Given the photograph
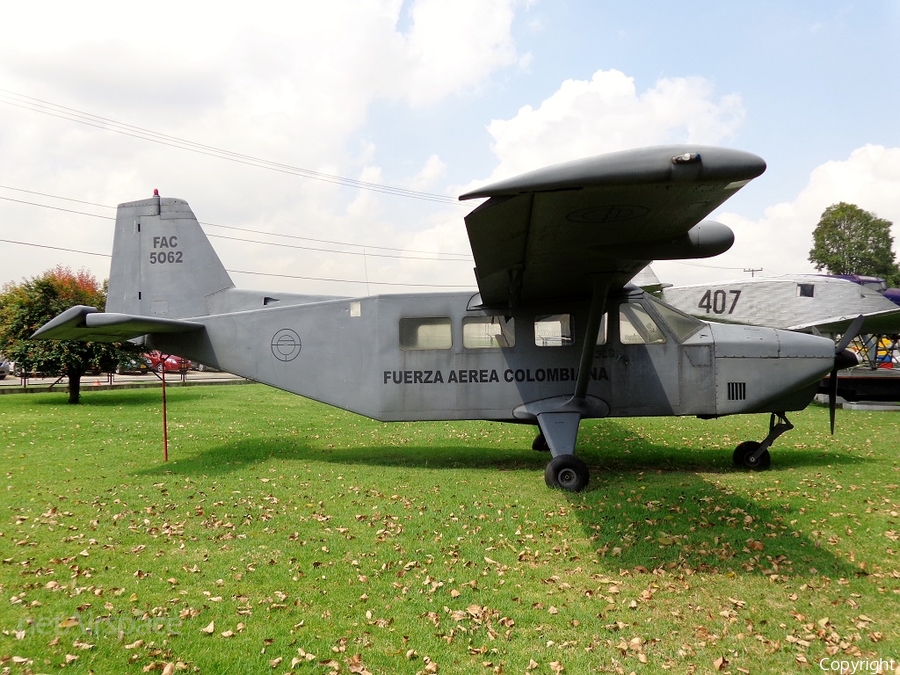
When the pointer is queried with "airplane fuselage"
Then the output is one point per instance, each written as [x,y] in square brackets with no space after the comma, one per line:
[434,357]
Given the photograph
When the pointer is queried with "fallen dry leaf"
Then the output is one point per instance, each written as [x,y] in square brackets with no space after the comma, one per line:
[356,665]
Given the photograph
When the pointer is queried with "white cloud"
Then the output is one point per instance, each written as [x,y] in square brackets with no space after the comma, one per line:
[279,78]
[428,176]
[288,82]
[606,114]
[294,83]
[455,46]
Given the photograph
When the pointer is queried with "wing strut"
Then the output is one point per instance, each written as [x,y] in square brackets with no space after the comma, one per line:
[595,319]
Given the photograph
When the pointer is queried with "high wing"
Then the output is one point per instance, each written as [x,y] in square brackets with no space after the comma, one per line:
[88,325]
[886,322]
[563,231]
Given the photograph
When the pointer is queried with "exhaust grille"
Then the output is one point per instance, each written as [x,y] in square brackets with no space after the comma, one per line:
[737,391]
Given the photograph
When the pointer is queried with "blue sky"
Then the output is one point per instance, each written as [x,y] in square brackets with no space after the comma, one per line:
[433,96]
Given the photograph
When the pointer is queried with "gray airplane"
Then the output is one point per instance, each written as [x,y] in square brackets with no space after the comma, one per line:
[555,335]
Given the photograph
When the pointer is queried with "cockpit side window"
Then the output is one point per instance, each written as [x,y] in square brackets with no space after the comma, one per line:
[637,327]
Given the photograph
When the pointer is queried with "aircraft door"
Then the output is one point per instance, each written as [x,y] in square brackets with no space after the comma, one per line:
[645,362]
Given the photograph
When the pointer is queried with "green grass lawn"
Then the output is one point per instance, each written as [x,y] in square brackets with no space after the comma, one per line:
[285,536]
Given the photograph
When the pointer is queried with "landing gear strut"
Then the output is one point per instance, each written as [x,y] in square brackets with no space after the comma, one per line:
[558,431]
[755,455]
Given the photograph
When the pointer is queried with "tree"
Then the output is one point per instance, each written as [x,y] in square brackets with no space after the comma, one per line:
[27,306]
[849,240]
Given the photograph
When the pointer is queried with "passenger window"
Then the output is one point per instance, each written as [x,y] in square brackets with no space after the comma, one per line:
[485,332]
[425,333]
[637,327]
[554,330]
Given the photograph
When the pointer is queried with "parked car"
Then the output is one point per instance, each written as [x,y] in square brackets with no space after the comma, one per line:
[171,363]
[134,366]
[5,368]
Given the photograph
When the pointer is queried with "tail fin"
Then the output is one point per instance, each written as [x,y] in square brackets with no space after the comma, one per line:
[162,263]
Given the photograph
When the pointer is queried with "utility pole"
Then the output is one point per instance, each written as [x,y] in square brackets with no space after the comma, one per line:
[753,270]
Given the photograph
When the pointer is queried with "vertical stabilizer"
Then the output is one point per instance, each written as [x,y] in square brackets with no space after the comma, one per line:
[162,263]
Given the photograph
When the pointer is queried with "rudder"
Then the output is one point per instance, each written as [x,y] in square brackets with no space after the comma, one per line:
[162,262]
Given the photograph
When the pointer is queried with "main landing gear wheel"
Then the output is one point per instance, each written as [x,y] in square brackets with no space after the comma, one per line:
[540,444]
[743,456]
[567,472]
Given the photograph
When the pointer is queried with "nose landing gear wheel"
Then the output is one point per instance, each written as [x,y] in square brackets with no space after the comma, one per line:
[567,472]
[743,456]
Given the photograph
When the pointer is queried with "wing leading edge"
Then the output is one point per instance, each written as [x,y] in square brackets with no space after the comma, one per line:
[886,322]
[558,231]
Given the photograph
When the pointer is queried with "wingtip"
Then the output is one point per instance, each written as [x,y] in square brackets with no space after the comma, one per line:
[72,317]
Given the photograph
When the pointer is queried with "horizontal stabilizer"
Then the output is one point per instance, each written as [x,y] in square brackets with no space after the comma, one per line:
[88,325]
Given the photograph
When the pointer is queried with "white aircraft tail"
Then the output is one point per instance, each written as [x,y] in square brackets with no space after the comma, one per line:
[162,263]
